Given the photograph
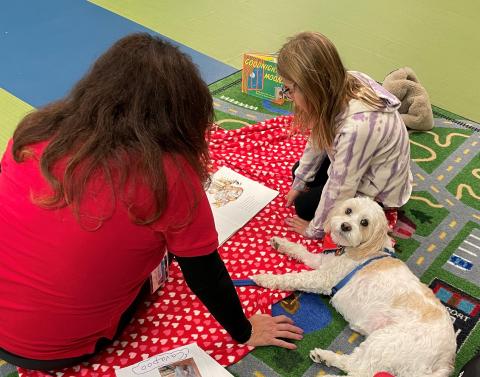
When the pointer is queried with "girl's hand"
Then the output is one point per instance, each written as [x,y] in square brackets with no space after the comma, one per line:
[296,224]
[267,330]
[291,196]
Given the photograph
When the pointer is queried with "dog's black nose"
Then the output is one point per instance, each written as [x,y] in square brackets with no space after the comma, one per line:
[346,227]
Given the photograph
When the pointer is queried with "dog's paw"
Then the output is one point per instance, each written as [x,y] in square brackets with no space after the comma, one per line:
[281,244]
[264,280]
[318,355]
[275,242]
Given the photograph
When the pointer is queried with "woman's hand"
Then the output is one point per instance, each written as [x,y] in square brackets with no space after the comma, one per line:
[291,196]
[296,224]
[267,330]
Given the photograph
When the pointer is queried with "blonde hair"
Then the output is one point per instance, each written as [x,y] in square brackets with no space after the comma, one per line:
[312,63]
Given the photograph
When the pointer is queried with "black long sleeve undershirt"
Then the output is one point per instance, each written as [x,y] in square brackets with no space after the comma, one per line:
[208,278]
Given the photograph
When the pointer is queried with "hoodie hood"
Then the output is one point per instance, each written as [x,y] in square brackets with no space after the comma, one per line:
[356,106]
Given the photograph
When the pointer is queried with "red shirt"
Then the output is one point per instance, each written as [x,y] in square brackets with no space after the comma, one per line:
[62,286]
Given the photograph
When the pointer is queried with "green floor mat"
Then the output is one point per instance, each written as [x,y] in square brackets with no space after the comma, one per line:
[444,206]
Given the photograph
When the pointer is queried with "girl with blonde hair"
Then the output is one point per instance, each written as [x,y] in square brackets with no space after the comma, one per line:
[358,144]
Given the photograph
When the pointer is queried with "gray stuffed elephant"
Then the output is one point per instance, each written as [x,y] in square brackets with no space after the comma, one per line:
[415,107]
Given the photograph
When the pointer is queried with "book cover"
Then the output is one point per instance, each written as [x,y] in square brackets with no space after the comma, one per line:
[186,361]
[260,77]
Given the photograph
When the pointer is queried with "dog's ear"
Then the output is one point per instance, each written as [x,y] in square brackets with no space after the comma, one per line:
[378,239]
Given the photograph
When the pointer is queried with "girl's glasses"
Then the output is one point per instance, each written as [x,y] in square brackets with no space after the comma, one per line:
[287,92]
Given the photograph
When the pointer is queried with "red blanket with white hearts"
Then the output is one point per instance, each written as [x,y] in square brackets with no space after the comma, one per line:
[264,152]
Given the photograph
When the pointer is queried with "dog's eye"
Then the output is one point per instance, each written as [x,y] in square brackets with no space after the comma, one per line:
[364,222]
[348,211]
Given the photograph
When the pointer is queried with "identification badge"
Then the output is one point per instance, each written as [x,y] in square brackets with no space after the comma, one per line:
[159,275]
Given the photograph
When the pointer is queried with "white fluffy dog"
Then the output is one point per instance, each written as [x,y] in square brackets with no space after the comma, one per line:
[409,332]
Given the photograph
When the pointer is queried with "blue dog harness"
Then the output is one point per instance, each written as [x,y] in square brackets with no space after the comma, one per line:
[243,282]
[347,278]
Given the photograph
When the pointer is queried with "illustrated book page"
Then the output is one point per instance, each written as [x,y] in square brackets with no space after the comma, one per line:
[234,200]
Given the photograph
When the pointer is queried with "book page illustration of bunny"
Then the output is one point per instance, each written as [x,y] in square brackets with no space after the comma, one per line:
[224,191]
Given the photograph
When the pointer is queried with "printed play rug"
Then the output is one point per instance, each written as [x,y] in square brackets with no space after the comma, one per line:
[443,252]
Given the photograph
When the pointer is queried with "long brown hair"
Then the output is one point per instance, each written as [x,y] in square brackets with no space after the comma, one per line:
[142,99]
[312,63]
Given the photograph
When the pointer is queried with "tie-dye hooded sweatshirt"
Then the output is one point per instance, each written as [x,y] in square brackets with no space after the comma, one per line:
[370,157]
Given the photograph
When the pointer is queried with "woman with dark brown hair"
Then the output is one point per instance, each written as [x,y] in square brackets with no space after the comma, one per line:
[94,189]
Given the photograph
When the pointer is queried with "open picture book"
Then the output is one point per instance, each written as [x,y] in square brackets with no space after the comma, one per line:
[234,200]
[185,361]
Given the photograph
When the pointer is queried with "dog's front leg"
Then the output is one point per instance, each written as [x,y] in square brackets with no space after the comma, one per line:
[297,251]
[331,358]
[307,281]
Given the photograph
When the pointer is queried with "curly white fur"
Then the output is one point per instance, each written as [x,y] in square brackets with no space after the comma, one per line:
[409,332]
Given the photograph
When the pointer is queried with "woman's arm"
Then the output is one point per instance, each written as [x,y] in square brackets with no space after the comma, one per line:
[208,278]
